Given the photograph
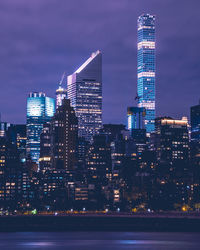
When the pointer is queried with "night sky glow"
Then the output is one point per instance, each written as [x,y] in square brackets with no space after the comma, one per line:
[40,39]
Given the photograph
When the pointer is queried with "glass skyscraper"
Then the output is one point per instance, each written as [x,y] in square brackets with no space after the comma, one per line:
[40,109]
[84,89]
[135,117]
[146,69]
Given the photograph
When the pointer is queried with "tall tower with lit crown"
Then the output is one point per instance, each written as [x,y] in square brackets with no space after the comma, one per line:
[146,69]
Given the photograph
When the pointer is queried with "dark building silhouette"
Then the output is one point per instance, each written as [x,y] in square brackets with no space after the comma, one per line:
[16,134]
[9,169]
[45,148]
[64,137]
[195,122]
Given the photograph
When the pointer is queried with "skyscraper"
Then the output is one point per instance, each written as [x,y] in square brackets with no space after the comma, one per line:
[84,89]
[40,109]
[195,139]
[172,140]
[146,69]
[195,122]
[135,117]
[61,93]
[64,134]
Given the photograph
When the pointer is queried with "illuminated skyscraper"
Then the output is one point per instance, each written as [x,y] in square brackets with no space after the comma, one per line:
[146,69]
[61,93]
[172,139]
[40,109]
[84,89]
[135,118]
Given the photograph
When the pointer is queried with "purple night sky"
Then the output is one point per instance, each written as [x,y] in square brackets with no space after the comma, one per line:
[40,39]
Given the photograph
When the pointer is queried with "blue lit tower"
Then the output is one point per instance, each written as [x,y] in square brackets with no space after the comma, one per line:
[146,69]
[40,109]
[84,89]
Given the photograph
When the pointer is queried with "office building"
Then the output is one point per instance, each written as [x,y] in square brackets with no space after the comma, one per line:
[172,140]
[45,148]
[99,161]
[195,122]
[9,168]
[4,128]
[135,118]
[84,89]
[195,140]
[16,134]
[146,69]
[40,109]
[65,137]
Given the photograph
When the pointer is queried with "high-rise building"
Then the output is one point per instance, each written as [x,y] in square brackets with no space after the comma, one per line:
[99,160]
[45,148]
[135,118]
[61,93]
[195,140]
[40,109]
[146,69]
[9,168]
[84,89]
[16,134]
[65,135]
[195,122]
[172,140]
[4,128]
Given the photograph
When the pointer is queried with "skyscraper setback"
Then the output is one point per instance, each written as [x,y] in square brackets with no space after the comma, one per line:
[84,89]
[146,69]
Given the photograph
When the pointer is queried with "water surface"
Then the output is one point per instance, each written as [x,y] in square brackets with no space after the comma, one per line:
[99,241]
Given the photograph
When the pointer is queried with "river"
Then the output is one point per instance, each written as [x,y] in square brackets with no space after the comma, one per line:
[99,241]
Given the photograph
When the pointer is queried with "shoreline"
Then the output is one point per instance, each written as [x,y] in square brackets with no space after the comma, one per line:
[86,222]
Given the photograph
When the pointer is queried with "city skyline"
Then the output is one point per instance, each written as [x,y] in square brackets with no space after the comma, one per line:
[99,124]
[41,66]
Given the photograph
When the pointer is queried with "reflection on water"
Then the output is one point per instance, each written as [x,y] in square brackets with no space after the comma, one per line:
[99,240]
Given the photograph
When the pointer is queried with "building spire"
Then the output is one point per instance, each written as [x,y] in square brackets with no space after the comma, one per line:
[62,79]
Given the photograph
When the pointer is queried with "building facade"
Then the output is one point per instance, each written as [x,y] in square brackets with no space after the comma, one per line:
[84,89]
[61,94]
[16,134]
[146,69]
[195,122]
[172,140]
[40,109]
[65,135]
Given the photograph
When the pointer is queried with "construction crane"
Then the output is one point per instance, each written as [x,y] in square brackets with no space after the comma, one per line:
[139,97]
